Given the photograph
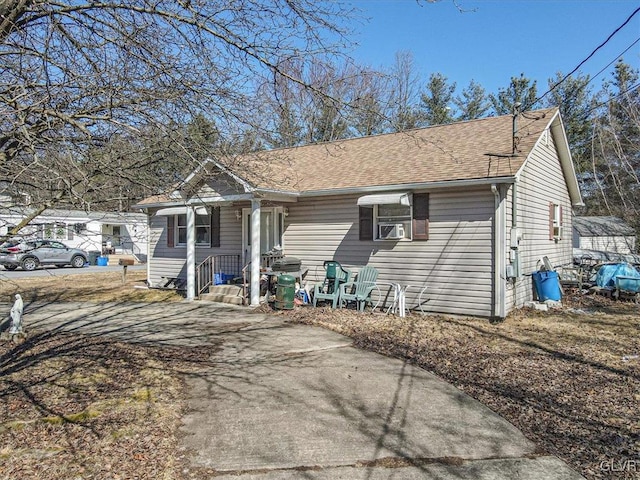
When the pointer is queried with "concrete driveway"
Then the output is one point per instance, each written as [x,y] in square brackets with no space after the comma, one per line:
[283,401]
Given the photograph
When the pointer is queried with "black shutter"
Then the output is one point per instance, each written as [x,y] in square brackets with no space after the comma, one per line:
[366,223]
[421,216]
[170,231]
[215,227]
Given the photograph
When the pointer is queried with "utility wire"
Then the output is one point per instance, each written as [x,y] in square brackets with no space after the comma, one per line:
[585,60]
[602,104]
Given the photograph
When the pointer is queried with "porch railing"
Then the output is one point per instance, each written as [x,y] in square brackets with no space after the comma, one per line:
[226,266]
[266,261]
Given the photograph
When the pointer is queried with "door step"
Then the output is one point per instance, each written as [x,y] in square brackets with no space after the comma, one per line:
[231,294]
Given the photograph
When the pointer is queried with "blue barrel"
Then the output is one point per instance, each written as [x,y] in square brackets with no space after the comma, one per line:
[547,285]
[103,261]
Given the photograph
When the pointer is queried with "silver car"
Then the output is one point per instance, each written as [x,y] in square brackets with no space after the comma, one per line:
[29,255]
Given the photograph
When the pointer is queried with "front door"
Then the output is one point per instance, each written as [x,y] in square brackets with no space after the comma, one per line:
[271,229]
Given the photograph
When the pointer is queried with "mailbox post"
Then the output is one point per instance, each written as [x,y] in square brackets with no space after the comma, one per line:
[125,262]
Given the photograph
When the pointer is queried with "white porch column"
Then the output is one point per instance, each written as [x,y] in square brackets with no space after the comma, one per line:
[191,253]
[255,252]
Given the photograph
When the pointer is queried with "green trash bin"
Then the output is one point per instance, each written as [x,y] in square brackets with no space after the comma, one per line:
[285,292]
[93,258]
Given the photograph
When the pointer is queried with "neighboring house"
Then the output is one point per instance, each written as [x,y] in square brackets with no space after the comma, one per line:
[432,208]
[95,231]
[608,234]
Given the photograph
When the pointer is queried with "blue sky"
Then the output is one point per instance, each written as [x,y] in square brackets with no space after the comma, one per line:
[497,39]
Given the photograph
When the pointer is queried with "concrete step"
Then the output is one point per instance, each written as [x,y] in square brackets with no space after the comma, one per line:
[226,290]
[224,294]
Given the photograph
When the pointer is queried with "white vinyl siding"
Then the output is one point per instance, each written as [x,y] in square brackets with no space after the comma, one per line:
[171,262]
[541,183]
[454,264]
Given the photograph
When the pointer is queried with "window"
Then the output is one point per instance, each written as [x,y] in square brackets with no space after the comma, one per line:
[392,222]
[555,222]
[396,221]
[203,230]
[207,229]
[54,231]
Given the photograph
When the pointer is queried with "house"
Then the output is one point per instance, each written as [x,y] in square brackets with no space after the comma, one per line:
[609,234]
[458,215]
[104,232]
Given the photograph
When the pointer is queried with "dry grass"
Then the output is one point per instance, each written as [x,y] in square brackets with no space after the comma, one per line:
[569,379]
[91,408]
[100,287]
[76,407]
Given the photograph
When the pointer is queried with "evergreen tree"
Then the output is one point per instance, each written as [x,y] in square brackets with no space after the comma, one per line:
[521,90]
[436,102]
[473,103]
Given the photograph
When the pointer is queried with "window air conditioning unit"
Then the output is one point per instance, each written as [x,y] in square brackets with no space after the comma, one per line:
[390,231]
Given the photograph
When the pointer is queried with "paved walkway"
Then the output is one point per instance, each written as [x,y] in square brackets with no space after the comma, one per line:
[285,401]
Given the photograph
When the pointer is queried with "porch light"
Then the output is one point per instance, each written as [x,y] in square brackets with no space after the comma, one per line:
[285,211]
[238,214]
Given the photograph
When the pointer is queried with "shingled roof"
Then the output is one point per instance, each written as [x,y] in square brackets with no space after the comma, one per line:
[602,226]
[474,150]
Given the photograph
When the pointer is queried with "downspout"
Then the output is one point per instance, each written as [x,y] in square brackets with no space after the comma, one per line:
[191,253]
[515,232]
[499,285]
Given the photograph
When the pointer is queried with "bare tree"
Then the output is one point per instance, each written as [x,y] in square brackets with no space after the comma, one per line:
[616,148]
[404,94]
[76,74]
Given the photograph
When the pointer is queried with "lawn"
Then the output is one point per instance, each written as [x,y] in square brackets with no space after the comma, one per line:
[86,407]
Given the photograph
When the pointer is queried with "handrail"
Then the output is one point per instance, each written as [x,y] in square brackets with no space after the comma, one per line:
[266,261]
[204,275]
[244,283]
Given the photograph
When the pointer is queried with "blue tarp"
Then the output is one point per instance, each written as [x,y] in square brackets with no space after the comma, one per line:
[607,274]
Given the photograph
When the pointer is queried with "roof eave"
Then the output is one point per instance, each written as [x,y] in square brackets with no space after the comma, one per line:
[410,186]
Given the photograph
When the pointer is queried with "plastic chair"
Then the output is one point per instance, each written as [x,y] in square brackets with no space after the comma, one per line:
[360,290]
[335,275]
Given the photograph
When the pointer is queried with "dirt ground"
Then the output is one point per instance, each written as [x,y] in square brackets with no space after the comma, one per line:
[76,407]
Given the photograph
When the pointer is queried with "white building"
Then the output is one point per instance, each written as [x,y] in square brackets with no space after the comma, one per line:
[104,232]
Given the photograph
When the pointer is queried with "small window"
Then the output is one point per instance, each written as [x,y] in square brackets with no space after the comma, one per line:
[203,229]
[555,222]
[392,222]
[207,229]
[395,221]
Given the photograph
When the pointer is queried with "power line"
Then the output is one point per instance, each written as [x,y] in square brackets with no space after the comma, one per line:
[585,60]
[602,104]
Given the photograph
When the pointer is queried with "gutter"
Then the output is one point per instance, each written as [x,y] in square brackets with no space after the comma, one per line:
[409,186]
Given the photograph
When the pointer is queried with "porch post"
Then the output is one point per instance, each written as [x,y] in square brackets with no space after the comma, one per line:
[255,252]
[191,253]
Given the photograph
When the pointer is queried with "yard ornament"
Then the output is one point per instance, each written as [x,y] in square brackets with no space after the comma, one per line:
[16,316]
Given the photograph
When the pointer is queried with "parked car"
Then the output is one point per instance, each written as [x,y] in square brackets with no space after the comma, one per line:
[29,255]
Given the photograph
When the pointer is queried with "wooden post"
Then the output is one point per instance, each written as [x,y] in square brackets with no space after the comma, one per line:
[125,262]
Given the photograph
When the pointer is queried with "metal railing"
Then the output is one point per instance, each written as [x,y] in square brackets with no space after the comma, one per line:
[266,261]
[226,266]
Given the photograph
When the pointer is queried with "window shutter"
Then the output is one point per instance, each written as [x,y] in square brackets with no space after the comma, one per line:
[366,223]
[170,231]
[551,220]
[421,216]
[215,227]
[561,224]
